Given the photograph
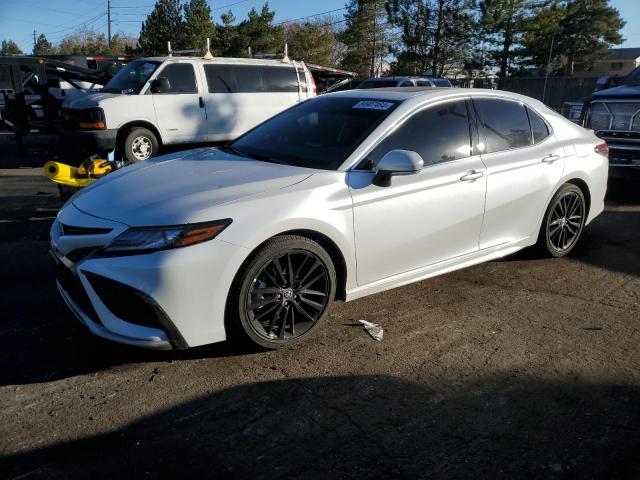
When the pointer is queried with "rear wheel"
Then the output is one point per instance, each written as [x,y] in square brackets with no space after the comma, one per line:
[140,144]
[284,292]
[563,221]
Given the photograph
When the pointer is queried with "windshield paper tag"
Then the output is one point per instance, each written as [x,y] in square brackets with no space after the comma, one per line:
[373,105]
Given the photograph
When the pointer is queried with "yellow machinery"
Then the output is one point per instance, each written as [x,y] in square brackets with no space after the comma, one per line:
[88,172]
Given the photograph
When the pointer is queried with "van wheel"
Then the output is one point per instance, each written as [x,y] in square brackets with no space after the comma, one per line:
[140,144]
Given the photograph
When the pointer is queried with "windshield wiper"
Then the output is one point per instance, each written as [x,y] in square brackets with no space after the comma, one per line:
[254,156]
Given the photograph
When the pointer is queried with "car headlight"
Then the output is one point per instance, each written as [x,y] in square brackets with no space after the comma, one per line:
[91,119]
[146,240]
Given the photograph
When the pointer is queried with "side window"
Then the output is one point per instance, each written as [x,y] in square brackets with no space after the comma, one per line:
[422,83]
[220,78]
[280,79]
[439,134]
[248,79]
[406,83]
[503,124]
[538,126]
[181,76]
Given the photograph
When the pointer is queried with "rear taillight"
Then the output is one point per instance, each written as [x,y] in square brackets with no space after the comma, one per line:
[314,88]
[602,149]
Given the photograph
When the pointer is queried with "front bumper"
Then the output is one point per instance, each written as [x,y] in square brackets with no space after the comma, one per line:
[169,299]
[90,140]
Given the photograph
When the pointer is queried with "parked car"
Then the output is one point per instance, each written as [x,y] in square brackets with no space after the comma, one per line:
[386,82]
[345,195]
[614,115]
[159,101]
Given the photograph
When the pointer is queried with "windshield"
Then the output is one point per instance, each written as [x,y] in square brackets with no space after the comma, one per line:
[633,78]
[378,84]
[131,78]
[320,133]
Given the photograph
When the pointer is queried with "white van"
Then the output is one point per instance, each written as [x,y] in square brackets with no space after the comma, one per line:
[160,101]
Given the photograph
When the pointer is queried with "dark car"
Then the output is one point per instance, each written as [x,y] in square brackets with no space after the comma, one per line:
[424,81]
[614,115]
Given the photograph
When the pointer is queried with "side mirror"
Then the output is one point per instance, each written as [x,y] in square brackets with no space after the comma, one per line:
[160,85]
[397,162]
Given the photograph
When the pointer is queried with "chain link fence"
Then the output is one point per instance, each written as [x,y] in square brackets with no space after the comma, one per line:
[558,89]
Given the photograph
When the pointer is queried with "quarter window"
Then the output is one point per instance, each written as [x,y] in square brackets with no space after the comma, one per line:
[439,134]
[538,126]
[181,76]
[248,78]
[503,124]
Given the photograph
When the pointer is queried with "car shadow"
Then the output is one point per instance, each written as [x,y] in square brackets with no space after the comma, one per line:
[366,427]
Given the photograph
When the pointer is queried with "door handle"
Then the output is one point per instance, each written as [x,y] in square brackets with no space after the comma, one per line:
[471,176]
[550,158]
[201,101]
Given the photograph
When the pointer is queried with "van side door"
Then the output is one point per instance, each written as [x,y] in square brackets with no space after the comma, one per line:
[180,112]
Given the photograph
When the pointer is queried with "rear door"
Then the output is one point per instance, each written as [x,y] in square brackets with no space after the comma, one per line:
[524,165]
[180,112]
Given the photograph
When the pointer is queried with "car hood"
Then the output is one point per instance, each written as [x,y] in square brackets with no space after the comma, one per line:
[182,188]
[92,99]
[621,92]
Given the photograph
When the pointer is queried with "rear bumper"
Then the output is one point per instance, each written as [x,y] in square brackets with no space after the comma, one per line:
[90,140]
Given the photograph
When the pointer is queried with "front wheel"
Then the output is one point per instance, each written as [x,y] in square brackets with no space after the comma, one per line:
[140,144]
[283,293]
[563,222]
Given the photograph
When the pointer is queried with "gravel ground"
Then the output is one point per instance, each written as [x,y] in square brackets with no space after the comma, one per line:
[519,368]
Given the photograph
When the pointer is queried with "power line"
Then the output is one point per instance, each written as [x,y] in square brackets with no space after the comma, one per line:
[311,16]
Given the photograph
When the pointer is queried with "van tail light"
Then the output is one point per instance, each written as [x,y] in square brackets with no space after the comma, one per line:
[314,88]
[602,149]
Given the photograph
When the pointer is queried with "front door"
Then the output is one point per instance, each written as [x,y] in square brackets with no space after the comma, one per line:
[427,217]
[180,111]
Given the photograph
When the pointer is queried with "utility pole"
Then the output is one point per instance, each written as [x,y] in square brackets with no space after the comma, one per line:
[373,47]
[34,40]
[109,21]
[546,76]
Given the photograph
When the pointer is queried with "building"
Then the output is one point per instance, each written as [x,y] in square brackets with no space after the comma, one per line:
[619,62]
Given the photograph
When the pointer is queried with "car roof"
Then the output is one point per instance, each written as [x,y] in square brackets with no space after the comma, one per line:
[223,60]
[421,94]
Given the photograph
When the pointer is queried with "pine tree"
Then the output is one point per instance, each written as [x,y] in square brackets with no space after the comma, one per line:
[259,33]
[226,40]
[582,30]
[366,35]
[198,25]
[436,34]
[164,24]
[311,42]
[9,47]
[503,22]
[42,46]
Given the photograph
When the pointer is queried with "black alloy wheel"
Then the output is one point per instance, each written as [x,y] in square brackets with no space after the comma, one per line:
[564,221]
[286,291]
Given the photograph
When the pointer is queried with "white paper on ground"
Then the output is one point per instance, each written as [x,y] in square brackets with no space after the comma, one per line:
[374,329]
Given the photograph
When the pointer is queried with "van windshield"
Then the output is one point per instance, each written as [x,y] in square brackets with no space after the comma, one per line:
[131,78]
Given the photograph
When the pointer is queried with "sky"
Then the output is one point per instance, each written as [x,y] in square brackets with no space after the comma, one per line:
[57,18]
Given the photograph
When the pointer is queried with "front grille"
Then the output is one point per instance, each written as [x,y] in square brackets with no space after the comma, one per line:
[614,116]
[72,230]
[71,284]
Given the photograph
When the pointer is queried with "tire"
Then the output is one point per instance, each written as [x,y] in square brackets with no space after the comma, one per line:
[269,310]
[140,144]
[563,221]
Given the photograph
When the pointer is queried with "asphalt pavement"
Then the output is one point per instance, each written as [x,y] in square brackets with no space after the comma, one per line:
[519,368]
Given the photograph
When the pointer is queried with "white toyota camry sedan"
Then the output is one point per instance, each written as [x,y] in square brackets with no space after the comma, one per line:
[339,197]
